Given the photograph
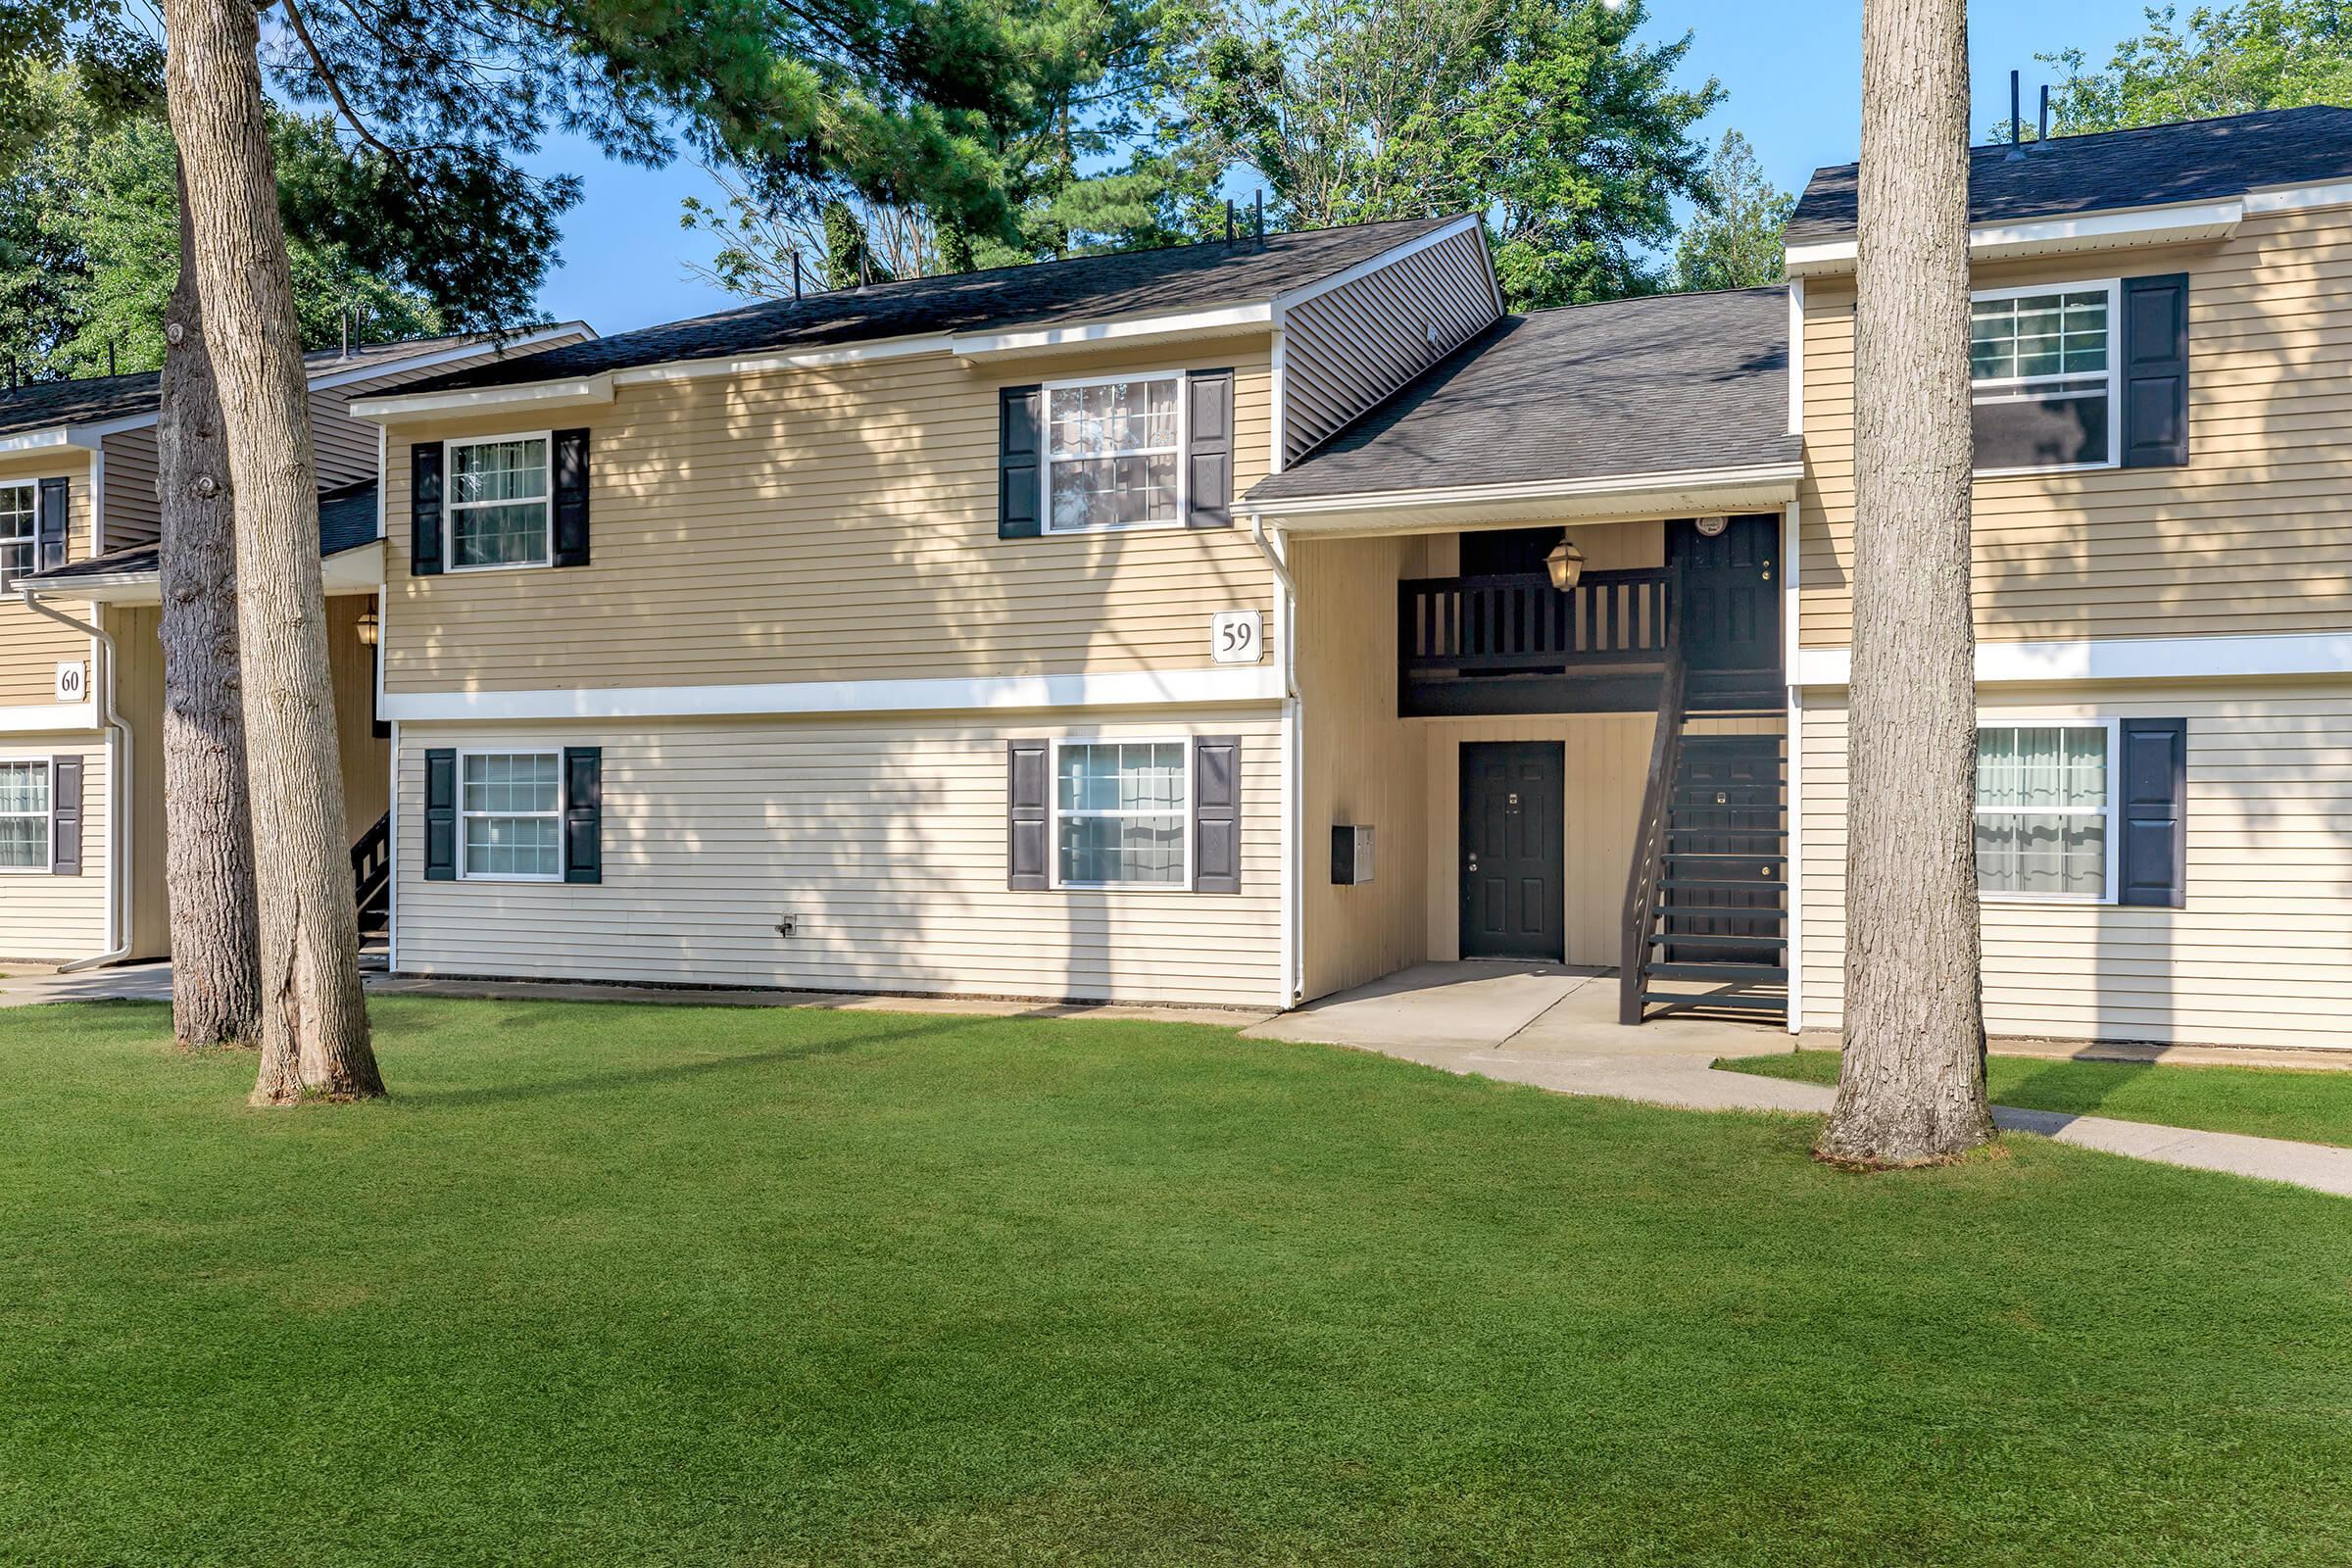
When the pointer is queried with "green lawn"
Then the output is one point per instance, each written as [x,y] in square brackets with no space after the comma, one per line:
[2265,1101]
[695,1285]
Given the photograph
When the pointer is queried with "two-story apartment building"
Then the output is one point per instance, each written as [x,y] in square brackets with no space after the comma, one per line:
[82,804]
[1240,622]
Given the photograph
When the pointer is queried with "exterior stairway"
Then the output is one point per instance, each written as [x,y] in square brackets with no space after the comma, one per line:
[371,875]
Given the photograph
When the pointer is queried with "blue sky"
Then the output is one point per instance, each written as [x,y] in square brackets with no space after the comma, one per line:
[1793,72]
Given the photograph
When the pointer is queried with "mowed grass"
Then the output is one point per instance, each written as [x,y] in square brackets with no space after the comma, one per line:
[698,1286]
[2314,1106]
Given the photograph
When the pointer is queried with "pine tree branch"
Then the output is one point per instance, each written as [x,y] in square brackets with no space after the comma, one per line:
[334,89]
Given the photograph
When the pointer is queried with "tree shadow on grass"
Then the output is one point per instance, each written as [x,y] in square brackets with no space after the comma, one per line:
[656,1073]
[2061,1086]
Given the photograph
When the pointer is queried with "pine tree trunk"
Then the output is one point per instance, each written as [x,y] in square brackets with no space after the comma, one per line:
[315,1039]
[1912,1085]
[208,870]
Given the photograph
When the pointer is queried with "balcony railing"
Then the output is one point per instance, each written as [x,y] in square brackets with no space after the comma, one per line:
[1522,626]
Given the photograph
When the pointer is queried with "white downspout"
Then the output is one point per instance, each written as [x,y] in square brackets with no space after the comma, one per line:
[1286,626]
[117,788]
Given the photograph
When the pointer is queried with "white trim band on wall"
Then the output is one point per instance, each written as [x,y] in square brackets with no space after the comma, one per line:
[56,718]
[1138,688]
[2102,659]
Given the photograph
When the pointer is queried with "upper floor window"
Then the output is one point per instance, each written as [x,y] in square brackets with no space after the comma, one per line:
[2046,811]
[2042,372]
[498,509]
[1115,454]
[19,531]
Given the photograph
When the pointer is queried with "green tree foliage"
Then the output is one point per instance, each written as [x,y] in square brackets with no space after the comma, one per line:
[1733,239]
[2220,60]
[1545,116]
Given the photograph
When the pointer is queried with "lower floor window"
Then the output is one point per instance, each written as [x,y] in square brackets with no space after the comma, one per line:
[2043,813]
[23,816]
[510,810]
[1119,811]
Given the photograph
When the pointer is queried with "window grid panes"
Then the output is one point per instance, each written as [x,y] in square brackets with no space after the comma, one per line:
[1119,811]
[511,807]
[2039,337]
[20,529]
[24,816]
[1113,454]
[2042,810]
[498,505]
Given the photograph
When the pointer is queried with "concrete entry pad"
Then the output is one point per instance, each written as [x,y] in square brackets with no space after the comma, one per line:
[1437,1006]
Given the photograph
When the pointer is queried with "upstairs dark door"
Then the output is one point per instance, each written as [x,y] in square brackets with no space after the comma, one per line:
[1732,604]
[1512,882]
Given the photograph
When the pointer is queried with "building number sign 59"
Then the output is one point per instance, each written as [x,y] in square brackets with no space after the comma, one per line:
[1237,637]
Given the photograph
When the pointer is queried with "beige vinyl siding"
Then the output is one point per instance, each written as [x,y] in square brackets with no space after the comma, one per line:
[1360,764]
[30,647]
[45,917]
[2254,535]
[1347,350]
[2262,953]
[133,511]
[886,843]
[824,525]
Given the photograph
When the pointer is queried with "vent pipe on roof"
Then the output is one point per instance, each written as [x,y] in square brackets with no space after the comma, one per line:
[2016,122]
[2041,142]
[1261,215]
[1228,220]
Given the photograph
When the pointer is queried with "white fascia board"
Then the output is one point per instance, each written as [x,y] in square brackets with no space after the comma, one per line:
[1146,688]
[577,392]
[1373,263]
[56,716]
[2112,659]
[357,570]
[2299,198]
[388,365]
[36,440]
[2173,224]
[1135,331]
[891,348]
[1766,486]
[1797,356]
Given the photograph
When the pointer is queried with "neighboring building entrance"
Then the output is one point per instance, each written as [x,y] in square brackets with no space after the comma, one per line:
[1512,879]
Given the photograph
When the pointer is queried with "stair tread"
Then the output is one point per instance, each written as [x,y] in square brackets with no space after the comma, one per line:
[1742,885]
[1727,969]
[1709,999]
[1658,939]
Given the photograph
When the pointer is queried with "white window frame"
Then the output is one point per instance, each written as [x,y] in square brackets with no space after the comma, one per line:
[464,872]
[1055,812]
[2110,811]
[451,506]
[2004,387]
[48,767]
[1045,459]
[32,541]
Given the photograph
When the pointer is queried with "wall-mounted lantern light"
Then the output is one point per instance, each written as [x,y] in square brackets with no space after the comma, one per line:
[369,627]
[1566,563]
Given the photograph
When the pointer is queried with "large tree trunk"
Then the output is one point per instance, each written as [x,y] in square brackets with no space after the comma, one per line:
[314,1017]
[208,870]
[1911,1087]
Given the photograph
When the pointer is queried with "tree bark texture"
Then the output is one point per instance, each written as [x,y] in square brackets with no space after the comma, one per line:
[315,1038]
[1912,1085]
[208,870]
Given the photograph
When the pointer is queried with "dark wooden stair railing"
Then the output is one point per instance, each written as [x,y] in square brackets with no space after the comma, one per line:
[1650,840]
[372,870]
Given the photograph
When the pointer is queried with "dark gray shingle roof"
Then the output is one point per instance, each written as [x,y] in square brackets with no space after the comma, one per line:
[1080,289]
[87,400]
[2196,159]
[346,521]
[1663,384]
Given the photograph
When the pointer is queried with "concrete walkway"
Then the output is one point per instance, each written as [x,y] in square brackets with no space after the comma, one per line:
[1556,1028]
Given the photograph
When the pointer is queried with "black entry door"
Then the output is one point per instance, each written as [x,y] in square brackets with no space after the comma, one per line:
[1732,604]
[1512,814]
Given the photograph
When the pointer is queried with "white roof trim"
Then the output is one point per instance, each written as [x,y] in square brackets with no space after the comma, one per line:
[1138,330]
[2299,198]
[1366,267]
[1596,485]
[575,392]
[339,373]
[2109,659]
[42,440]
[356,570]
[2172,224]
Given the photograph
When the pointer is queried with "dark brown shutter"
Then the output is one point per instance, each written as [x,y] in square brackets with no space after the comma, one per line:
[1217,813]
[1021,443]
[65,817]
[441,814]
[571,498]
[583,814]
[1208,453]
[2155,371]
[1028,815]
[2153,869]
[424,510]
[52,523]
